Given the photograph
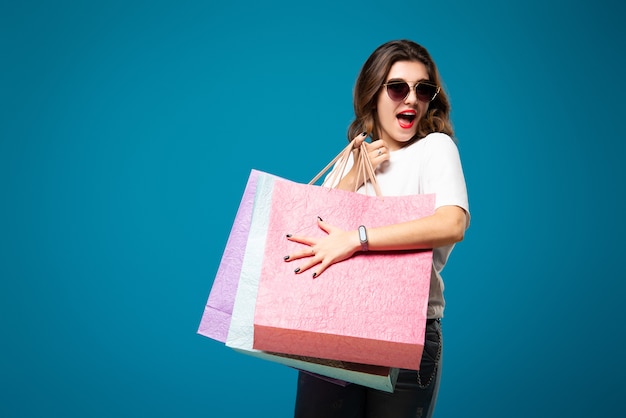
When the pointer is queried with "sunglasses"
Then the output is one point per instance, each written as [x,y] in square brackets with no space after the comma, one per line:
[399,90]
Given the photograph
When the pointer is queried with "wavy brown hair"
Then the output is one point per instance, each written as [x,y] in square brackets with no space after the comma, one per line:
[370,81]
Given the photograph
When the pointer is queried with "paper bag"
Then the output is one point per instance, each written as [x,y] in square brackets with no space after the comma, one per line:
[219,307]
[369,309]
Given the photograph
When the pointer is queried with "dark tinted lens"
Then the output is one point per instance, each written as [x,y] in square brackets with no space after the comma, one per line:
[397,91]
[425,92]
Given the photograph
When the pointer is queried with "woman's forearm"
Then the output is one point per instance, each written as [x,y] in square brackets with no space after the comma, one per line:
[447,226]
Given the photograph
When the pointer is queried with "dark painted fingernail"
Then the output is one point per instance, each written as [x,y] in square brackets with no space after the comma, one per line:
[320,219]
[364,133]
[286,258]
[297,270]
[314,275]
[288,235]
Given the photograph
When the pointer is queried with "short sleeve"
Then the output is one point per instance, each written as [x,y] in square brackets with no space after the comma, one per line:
[442,172]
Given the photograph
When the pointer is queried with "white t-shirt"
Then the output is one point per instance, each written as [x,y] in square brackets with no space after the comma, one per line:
[429,165]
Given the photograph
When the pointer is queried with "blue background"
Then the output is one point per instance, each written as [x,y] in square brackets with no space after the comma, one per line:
[128,130]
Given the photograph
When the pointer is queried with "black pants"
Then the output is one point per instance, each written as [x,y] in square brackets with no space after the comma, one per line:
[414,396]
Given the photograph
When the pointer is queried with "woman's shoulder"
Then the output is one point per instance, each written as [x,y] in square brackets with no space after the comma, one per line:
[434,141]
[438,137]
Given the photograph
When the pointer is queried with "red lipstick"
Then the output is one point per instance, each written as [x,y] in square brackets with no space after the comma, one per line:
[406,118]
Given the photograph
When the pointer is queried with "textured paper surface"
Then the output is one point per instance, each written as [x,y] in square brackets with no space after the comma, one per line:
[219,307]
[368,309]
[241,331]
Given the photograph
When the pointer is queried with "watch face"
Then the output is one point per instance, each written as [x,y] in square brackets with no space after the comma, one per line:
[363,238]
[362,234]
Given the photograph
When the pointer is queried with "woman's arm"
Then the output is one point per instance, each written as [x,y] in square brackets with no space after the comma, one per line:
[446,226]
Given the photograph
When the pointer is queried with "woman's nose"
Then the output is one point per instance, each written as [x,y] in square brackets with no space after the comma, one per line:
[411,98]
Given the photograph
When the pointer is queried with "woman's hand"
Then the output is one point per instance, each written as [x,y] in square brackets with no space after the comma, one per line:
[336,246]
[377,151]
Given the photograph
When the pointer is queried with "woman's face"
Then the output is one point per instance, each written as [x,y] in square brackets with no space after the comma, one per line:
[398,120]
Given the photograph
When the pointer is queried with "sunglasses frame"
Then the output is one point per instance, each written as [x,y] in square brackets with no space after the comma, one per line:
[427,83]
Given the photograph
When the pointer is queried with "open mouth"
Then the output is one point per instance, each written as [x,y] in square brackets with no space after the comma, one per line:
[407,118]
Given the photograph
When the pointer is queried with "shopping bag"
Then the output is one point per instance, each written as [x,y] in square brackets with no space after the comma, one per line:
[218,311]
[241,332]
[369,309]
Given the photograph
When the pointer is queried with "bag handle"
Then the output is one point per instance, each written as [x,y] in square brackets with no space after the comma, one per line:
[365,169]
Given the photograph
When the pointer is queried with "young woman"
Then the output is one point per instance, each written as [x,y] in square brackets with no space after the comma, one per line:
[399,103]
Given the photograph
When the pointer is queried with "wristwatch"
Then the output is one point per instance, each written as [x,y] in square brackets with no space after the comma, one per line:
[363,238]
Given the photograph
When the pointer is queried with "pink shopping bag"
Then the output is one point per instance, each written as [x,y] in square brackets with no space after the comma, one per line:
[368,309]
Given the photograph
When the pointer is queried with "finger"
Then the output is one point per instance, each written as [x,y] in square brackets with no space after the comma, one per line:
[308,252]
[373,149]
[320,269]
[379,144]
[358,140]
[379,152]
[301,239]
[306,265]
[324,226]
